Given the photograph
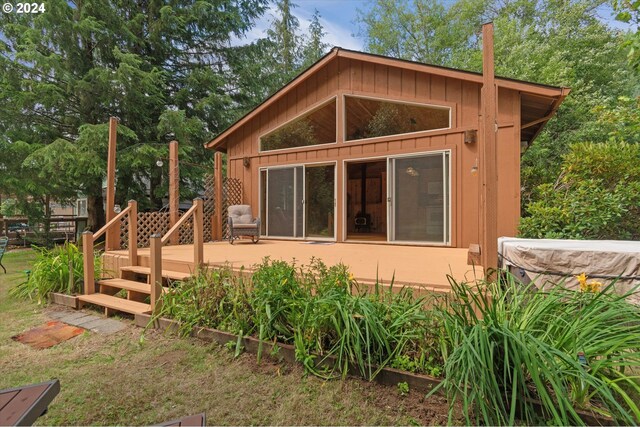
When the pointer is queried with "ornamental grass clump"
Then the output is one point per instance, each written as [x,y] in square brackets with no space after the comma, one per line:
[334,325]
[59,269]
[510,345]
[216,298]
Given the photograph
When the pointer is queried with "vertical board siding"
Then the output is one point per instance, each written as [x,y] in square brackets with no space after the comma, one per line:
[394,82]
[352,76]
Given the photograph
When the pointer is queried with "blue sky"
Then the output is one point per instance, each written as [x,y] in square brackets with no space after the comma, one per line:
[337,18]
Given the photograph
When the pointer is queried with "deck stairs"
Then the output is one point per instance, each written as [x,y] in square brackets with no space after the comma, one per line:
[130,292]
[133,292]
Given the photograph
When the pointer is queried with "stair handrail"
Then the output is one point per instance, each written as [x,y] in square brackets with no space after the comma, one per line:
[157,241]
[88,239]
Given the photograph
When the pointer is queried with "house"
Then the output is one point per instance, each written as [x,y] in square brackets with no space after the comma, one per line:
[366,148]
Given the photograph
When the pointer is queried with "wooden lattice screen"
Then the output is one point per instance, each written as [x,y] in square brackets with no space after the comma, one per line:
[158,222]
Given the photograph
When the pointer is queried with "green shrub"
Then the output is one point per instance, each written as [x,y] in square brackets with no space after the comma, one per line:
[597,196]
[508,344]
[216,298]
[60,269]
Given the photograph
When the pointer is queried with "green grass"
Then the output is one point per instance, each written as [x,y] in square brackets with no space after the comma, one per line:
[116,380]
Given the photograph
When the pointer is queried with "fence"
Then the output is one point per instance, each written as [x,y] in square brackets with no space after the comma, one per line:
[158,222]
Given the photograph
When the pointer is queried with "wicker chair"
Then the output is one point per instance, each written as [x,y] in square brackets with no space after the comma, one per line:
[242,223]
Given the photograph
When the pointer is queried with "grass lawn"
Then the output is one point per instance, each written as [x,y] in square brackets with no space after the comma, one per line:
[121,379]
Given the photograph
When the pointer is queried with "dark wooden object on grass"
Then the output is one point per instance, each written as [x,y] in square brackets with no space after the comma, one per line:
[21,406]
[191,420]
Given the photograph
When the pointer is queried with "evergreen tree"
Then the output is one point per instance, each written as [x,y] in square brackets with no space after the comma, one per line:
[160,66]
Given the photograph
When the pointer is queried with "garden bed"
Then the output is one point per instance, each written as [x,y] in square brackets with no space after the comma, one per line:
[506,352]
[387,376]
[286,352]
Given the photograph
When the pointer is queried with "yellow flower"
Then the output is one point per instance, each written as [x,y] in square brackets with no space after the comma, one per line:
[582,279]
[351,277]
[595,286]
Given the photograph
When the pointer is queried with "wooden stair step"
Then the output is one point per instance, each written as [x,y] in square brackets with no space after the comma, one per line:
[173,275]
[116,303]
[129,285]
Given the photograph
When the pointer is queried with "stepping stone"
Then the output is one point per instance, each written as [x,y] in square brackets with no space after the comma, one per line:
[108,326]
[78,319]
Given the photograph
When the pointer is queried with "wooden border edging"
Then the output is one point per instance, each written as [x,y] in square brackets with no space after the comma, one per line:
[64,299]
[387,376]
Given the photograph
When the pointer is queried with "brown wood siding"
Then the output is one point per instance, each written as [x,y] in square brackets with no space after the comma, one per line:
[349,76]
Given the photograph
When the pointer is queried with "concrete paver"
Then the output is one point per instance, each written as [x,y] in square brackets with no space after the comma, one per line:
[88,321]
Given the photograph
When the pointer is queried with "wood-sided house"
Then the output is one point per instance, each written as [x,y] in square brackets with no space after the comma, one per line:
[361,147]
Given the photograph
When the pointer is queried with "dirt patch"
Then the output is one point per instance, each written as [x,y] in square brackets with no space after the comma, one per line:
[170,359]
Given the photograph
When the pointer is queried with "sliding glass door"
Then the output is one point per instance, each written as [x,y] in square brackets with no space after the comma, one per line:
[298,201]
[419,198]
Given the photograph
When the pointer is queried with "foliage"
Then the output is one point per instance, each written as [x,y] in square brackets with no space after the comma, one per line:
[597,195]
[261,68]
[160,67]
[60,269]
[556,43]
[318,309]
[214,298]
[629,12]
[403,388]
[508,344]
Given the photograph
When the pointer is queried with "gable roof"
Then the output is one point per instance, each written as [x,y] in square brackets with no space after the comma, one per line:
[541,101]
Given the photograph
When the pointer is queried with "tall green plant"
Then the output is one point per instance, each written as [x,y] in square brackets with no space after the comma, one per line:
[510,345]
[216,298]
[60,269]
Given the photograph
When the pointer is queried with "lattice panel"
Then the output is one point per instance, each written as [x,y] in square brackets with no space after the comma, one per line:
[232,195]
[209,205]
[148,223]
[158,222]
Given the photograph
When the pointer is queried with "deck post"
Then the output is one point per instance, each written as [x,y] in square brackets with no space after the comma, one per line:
[112,238]
[218,206]
[156,270]
[198,233]
[488,153]
[174,190]
[133,233]
[87,260]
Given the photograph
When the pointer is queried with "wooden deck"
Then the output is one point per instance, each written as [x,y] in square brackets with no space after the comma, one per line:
[411,265]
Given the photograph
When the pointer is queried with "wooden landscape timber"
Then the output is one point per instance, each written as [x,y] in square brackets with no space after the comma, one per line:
[286,352]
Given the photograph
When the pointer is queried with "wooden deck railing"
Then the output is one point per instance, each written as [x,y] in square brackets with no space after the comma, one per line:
[157,241]
[89,238]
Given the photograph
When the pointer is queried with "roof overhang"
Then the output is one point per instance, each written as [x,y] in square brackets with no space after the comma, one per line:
[539,102]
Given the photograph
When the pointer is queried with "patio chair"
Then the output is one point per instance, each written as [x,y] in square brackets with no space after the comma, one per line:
[4,241]
[242,223]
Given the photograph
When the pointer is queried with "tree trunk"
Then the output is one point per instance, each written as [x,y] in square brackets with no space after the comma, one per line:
[95,213]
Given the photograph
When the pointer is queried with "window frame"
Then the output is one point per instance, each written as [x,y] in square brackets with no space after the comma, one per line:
[314,107]
[441,106]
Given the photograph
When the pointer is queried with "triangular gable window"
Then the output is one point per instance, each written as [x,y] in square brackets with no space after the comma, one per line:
[370,118]
[315,127]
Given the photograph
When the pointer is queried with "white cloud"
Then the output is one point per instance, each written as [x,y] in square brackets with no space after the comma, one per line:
[337,34]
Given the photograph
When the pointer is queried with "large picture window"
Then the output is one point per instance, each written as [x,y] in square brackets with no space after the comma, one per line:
[313,128]
[369,118]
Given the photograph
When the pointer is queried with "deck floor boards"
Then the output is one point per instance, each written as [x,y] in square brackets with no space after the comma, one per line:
[415,265]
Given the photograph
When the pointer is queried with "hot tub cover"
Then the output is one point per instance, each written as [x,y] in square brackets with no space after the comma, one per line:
[548,261]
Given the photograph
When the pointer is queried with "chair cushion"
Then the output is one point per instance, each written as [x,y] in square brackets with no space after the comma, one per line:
[241,214]
[245,226]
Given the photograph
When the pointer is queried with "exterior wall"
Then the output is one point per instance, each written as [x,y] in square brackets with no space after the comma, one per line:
[347,76]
